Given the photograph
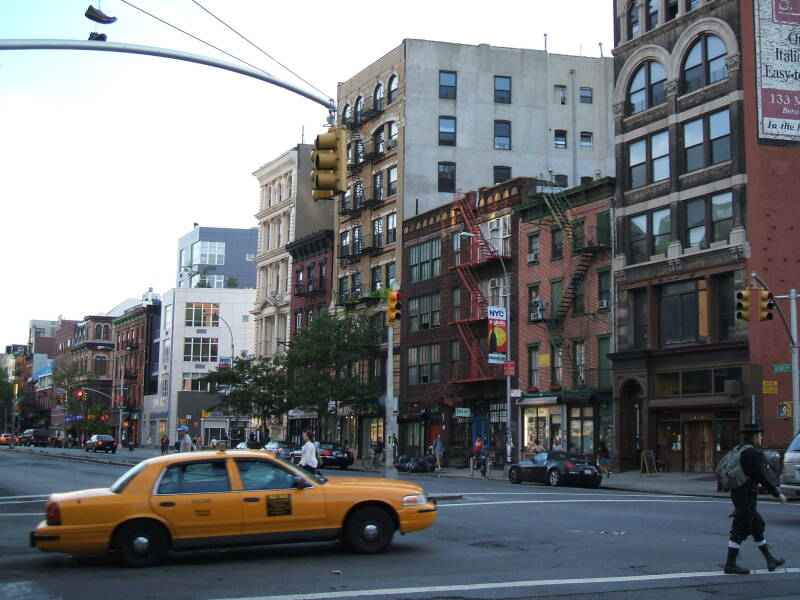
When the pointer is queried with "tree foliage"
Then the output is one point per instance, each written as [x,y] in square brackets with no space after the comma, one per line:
[256,387]
[327,363]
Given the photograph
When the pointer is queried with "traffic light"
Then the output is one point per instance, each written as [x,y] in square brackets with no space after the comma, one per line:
[743,304]
[329,164]
[765,305]
[393,307]
[80,394]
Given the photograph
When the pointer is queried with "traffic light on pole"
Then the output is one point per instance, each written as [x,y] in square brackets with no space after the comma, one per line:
[79,394]
[765,305]
[329,164]
[743,304]
[393,307]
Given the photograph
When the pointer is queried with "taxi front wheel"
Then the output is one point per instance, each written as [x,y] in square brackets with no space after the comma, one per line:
[141,544]
[369,530]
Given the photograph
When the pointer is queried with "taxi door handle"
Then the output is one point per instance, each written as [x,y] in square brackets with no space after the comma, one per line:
[252,499]
[167,504]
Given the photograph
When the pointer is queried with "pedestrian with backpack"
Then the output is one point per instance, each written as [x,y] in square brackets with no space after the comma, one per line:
[741,471]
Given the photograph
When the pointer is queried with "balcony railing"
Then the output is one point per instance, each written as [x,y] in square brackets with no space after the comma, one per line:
[372,244]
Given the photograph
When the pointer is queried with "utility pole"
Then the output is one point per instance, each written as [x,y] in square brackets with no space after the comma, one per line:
[392,314]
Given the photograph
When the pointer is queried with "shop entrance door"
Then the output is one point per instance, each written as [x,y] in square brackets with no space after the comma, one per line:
[698,447]
[480,427]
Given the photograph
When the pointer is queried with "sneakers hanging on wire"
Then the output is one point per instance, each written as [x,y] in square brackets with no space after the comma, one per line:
[97,37]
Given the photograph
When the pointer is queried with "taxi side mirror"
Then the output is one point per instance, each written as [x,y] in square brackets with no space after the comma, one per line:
[299,483]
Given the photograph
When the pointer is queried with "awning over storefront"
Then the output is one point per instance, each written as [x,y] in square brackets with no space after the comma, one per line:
[538,400]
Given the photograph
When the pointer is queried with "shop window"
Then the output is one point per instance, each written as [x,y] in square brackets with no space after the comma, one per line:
[668,431]
[581,430]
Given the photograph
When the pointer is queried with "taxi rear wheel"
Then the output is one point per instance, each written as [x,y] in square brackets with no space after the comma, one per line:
[369,530]
[141,544]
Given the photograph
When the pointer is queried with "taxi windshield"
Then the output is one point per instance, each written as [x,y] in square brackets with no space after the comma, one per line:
[121,483]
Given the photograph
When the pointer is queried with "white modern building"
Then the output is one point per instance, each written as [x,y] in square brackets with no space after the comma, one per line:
[200,329]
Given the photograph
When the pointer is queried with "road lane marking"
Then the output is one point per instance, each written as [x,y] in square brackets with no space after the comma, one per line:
[37,514]
[22,501]
[498,502]
[471,587]
[25,496]
[575,495]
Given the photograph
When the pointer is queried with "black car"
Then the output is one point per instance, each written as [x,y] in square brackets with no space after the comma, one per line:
[33,437]
[331,453]
[556,468]
[102,443]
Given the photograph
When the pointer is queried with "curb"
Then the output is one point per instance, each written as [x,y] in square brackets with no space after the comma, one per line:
[86,459]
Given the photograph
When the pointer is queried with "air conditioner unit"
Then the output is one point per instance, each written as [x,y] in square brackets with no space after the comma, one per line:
[533,257]
[494,283]
[391,144]
[603,303]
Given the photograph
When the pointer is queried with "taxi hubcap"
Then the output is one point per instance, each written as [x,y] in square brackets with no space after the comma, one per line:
[370,532]
[141,544]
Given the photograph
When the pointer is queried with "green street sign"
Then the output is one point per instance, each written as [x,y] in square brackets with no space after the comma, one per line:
[782,368]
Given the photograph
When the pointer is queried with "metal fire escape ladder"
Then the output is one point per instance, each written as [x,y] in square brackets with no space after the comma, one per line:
[559,207]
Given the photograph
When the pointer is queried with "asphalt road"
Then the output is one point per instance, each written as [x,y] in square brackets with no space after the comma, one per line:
[500,541]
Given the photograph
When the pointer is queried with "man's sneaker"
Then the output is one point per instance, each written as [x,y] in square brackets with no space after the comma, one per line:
[97,37]
[98,16]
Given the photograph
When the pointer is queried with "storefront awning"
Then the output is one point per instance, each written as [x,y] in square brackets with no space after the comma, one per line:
[538,401]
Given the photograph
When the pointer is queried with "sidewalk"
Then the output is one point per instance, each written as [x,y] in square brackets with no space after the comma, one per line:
[681,484]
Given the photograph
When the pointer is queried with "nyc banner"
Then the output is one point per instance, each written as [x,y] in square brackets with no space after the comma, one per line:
[498,335]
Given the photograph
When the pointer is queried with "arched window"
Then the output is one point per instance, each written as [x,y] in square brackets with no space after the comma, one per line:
[288,186]
[106,332]
[347,113]
[647,87]
[705,63]
[377,97]
[98,332]
[359,109]
[377,141]
[633,20]
[392,88]
[652,14]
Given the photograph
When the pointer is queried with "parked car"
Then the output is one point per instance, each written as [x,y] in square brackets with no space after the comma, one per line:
[556,468]
[331,453]
[34,437]
[248,497]
[103,443]
[281,449]
[790,474]
[5,439]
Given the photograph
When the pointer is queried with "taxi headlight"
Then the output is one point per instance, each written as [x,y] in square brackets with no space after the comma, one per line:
[415,500]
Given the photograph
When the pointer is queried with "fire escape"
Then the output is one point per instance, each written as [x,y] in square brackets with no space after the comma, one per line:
[585,244]
[472,326]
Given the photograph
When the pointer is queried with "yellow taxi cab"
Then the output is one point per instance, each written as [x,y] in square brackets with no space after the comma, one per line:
[214,499]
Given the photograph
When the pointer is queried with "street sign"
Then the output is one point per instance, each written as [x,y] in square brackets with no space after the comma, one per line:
[509,368]
[463,412]
[784,410]
[769,387]
[516,393]
[782,368]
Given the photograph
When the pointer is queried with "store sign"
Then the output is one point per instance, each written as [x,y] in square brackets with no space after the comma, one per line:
[777,73]
[784,410]
[463,412]
[498,334]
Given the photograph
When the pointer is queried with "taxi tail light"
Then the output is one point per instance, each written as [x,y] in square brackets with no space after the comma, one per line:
[569,464]
[99,443]
[327,453]
[53,513]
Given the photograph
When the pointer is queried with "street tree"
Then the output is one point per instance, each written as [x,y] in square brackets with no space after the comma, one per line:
[254,387]
[70,379]
[328,363]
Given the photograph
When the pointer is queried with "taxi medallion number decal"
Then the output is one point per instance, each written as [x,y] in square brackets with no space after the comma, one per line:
[279,505]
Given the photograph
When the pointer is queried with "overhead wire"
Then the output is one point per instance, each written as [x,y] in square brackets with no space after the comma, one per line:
[264,52]
[194,37]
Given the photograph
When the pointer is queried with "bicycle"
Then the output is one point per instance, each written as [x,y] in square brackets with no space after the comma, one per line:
[372,462]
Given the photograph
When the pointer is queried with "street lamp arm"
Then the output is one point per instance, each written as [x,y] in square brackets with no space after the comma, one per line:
[328,103]
[96,391]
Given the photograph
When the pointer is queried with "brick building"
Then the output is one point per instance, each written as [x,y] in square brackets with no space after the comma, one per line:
[564,254]
[704,157]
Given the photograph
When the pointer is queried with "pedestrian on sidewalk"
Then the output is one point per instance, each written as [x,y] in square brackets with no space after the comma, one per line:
[438,450]
[603,459]
[746,519]
[164,444]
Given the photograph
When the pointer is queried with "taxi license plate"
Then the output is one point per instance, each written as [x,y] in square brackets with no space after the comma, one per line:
[587,472]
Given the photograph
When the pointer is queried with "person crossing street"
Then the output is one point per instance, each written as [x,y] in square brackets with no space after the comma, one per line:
[746,519]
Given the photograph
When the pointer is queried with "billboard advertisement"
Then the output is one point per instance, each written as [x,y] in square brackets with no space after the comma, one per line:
[498,334]
[777,24]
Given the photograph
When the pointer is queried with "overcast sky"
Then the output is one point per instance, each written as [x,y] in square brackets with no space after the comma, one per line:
[107,159]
